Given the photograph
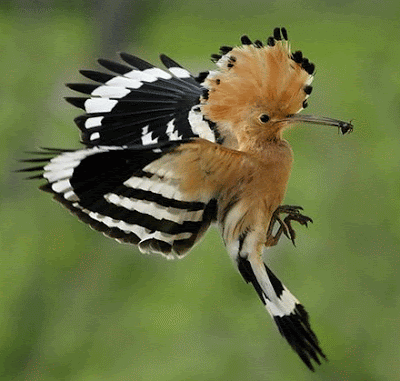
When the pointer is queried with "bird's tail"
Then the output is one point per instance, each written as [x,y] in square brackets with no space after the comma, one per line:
[287,312]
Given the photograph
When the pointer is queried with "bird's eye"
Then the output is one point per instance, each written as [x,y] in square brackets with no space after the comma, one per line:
[264,118]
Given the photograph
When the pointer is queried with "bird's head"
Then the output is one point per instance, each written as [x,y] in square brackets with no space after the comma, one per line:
[259,90]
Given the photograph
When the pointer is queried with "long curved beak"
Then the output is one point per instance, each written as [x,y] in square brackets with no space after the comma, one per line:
[345,127]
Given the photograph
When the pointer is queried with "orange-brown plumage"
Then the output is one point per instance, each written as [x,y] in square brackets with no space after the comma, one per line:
[257,180]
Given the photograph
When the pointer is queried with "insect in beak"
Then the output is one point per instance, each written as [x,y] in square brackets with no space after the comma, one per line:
[344,127]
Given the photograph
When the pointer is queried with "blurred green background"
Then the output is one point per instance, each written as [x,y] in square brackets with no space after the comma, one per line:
[78,306]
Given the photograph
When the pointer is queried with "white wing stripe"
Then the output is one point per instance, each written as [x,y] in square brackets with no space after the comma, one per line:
[171,132]
[124,82]
[94,136]
[140,76]
[62,166]
[179,72]
[54,167]
[140,231]
[153,209]
[93,122]
[58,175]
[162,188]
[71,196]
[199,126]
[93,105]
[158,73]
[110,92]
[148,139]
[62,186]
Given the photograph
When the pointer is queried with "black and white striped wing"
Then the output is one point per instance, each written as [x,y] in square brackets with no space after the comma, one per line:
[140,104]
[130,194]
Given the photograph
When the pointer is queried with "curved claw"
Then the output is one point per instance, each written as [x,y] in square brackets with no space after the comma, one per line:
[285,225]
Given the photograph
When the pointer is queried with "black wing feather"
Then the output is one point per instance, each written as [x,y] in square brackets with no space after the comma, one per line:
[136,62]
[115,67]
[96,76]
[141,99]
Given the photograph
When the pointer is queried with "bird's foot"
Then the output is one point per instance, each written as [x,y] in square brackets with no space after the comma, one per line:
[285,225]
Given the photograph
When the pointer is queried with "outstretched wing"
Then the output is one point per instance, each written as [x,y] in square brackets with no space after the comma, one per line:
[139,104]
[130,194]
[125,182]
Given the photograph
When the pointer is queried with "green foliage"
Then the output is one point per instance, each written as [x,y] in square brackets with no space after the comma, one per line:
[77,306]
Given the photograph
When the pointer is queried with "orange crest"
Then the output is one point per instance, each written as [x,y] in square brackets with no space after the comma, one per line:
[256,84]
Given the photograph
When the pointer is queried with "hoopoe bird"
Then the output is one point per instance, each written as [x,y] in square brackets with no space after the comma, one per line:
[167,154]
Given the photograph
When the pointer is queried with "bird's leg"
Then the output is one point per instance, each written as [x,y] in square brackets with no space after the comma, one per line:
[285,225]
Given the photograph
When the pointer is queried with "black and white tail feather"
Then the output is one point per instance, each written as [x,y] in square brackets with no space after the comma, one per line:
[289,315]
[124,182]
